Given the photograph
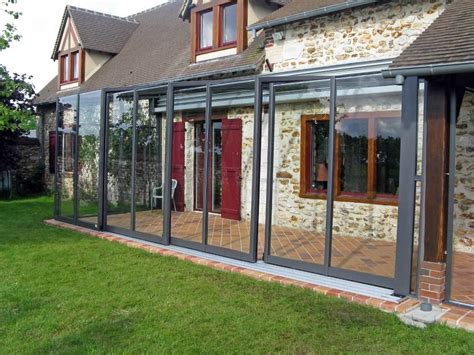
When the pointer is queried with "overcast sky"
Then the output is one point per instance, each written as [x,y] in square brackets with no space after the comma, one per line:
[39,26]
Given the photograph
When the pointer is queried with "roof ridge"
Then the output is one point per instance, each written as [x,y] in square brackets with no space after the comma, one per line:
[125,19]
[151,8]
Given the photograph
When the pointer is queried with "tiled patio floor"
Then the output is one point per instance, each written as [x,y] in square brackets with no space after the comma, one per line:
[370,256]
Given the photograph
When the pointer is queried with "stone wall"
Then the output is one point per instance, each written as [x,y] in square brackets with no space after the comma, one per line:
[22,156]
[464,188]
[367,33]
[46,124]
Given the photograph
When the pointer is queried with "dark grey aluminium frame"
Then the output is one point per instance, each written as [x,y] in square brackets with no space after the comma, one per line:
[453,113]
[408,159]
[251,256]
[104,168]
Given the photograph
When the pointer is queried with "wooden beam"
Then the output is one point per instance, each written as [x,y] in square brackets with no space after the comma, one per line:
[437,168]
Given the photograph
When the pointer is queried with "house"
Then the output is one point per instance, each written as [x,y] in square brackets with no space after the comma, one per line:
[327,136]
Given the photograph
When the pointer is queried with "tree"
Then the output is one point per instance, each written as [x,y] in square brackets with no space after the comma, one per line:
[17,114]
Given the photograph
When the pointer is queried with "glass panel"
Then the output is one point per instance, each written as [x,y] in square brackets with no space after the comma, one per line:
[387,156]
[65,155]
[319,155]
[119,164]
[216,167]
[65,66]
[188,148]
[367,159]
[151,126]
[298,221]
[462,277]
[230,167]
[75,61]
[353,163]
[89,142]
[206,29]
[229,24]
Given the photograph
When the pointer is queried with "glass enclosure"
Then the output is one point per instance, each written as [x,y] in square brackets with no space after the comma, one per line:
[327,149]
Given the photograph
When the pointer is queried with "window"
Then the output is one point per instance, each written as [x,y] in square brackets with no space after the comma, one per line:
[367,157]
[219,25]
[205,30]
[69,67]
[229,25]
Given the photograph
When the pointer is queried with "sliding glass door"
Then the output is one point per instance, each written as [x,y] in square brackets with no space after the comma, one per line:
[334,152]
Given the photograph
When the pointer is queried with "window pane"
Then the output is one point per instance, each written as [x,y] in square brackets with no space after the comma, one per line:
[89,151]
[354,155]
[229,23]
[75,63]
[364,230]
[67,124]
[388,156]
[319,155]
[119,169]
[205,37]
[65,67]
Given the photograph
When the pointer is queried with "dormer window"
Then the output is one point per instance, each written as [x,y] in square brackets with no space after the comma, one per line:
[218,29]
[69,67]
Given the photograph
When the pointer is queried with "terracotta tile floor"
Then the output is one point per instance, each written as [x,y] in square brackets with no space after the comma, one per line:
[370,256]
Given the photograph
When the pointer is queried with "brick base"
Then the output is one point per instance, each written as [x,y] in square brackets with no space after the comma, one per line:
[432,282]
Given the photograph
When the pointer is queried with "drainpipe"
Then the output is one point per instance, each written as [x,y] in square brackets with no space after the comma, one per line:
[430,70]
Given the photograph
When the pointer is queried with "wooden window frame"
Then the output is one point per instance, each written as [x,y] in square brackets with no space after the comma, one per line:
[217,7]
[370,197]
[70,58]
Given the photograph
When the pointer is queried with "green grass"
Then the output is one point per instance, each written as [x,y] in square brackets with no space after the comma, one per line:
[64,292]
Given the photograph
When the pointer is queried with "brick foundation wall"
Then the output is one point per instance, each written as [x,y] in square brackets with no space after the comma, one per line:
[432,286]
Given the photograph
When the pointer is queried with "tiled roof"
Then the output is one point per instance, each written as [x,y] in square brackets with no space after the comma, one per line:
[159,50]
[449,39]
[305,7]
[97,31]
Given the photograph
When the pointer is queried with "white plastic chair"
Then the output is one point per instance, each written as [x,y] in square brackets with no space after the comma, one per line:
[157,193]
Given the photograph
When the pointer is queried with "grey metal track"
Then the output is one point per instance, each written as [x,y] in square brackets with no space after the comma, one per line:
[260,266]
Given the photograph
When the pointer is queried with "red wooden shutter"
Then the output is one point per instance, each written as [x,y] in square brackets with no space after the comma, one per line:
[231,167]
[178,163]
[52,151]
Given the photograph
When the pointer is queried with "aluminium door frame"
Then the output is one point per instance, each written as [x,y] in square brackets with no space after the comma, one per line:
[132,232]
[403,262]
[203,246]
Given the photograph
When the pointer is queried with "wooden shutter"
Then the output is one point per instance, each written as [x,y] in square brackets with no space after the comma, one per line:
[178,163]
[52,152]
[231,168]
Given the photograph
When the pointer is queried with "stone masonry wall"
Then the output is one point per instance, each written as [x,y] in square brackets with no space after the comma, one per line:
[464,188]
[367,33]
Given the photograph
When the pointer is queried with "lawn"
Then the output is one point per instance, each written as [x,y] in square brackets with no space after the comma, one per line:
[64,292]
